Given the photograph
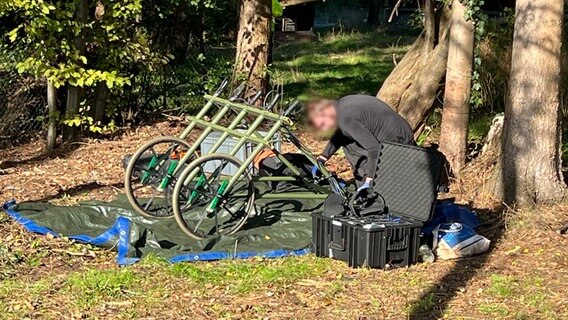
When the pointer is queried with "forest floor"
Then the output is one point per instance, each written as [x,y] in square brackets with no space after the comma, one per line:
[524,276]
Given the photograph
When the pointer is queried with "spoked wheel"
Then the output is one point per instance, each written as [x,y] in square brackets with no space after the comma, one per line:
[150,178]
[205,202]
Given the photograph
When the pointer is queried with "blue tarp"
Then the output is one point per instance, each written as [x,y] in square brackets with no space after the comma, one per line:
[282,230]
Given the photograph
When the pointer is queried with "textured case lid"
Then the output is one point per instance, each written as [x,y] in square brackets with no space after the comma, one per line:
[408,179]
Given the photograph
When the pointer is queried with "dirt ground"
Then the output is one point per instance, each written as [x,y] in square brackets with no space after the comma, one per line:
[524,276]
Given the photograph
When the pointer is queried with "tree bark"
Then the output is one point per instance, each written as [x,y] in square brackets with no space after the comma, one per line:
[99,109]
[253,43]
[412,86]
[52,122]
[455,115]
[530,160]
[73,92]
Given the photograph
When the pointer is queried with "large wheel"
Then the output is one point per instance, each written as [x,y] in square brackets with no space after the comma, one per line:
[149,182]
[204,205]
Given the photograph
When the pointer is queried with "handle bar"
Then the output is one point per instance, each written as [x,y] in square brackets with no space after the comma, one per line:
[238,91]
[291,108]
[221,87]
[273,103]
[255,98]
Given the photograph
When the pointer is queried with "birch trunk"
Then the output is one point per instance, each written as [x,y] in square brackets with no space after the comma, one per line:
[455,115]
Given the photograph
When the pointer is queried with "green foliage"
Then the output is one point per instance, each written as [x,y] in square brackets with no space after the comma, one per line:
[475,14]
[277,9]
[178,89]
[50,32]
[493,58]
[152,55]
[68,50]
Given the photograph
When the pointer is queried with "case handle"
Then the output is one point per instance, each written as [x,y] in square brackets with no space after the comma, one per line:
[337,241]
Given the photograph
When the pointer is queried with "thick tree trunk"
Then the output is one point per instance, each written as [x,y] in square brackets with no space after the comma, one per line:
[101,91]
[52,111]
[73,92]
[412,86]
[71,111]
[253,43]
[455,116]
[530,158]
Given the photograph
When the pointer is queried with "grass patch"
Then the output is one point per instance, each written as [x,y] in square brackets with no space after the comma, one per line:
[502,286]
[247,276]
[17,294]
[337,64]
[11,288]
[95,286]
[479,126]
[424,304]
[493,309]
[528,294]
[334,289]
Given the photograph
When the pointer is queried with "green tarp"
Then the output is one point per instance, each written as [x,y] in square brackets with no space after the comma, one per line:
[280,228]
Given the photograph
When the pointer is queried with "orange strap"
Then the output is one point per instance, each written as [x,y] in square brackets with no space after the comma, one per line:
[266,153]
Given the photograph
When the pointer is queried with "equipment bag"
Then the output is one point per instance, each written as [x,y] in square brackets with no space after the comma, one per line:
[456,240]
[272,166]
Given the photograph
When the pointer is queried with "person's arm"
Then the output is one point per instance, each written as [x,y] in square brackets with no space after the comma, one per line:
[359,133]
[332,146]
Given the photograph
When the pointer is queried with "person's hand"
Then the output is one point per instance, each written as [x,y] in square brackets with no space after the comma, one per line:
[366,185]
[365,192]
[315,169]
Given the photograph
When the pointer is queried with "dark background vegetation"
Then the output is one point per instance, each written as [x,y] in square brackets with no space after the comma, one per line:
[349,57]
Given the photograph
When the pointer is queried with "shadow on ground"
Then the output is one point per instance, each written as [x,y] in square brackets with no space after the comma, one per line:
[79,189]
[434,302]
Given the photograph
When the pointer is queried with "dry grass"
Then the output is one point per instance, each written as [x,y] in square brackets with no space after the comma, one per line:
[523,277]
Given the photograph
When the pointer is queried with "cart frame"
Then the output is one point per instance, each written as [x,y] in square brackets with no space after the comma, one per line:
[187,167]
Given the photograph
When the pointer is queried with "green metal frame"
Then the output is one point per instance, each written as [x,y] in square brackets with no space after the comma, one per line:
[278,125]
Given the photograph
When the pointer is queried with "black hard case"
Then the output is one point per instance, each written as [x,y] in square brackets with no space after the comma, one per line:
[407,178]
[374,242]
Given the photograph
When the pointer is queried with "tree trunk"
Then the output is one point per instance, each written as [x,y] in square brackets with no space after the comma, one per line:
[373,13]
[74,92]
[253,43]
[101,91]
[412,86]
[455,116]
[530,157]
[52,122]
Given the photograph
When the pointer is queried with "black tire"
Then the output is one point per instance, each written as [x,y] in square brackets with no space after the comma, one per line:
[158,206]
[190,201]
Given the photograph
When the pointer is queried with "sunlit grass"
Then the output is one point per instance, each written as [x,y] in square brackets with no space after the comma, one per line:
[337,64]
[247,276]
[94,286]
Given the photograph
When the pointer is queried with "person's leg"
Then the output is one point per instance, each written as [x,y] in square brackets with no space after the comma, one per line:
[357,161]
